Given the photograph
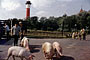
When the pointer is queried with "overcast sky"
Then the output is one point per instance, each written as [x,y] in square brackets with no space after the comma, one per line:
[17,8]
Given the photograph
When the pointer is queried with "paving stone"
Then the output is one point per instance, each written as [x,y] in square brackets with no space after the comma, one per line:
[72,49]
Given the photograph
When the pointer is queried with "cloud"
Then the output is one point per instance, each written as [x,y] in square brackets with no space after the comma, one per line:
[39,4]
[0,2]
[56,7]
[17,8]
[49,7]
[42,13]
[64,0]
[10,5]
[12,9]
[5,14]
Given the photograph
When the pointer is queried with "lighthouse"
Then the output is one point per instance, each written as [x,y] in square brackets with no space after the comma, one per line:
[28,3]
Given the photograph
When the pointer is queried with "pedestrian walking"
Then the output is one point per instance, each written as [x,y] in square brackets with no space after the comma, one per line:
[84,35]
[22,30]
[7,30]
[15,33]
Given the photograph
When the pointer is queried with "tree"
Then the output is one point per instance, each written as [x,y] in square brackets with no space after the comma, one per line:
[83,19]
[42,23]
[88,24]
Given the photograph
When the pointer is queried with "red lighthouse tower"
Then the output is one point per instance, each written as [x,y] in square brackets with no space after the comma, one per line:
[28,3]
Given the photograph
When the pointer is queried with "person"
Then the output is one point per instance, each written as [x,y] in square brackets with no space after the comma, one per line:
[76,35]
[84,35]
[73,35]
[15,33]
[22,31]
[7,30]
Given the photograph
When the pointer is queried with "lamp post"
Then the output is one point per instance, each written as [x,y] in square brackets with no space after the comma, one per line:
[87,29]
[75,27]
[62,29]
[11,27]
[62,25]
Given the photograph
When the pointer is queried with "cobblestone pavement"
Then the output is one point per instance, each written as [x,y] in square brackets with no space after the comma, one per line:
[72,49]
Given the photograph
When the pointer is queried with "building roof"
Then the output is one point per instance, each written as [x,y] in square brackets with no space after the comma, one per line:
[81,10]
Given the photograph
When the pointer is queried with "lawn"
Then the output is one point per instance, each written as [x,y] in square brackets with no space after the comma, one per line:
[45,34]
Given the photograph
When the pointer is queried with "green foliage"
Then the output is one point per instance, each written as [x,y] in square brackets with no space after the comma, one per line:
[65,23]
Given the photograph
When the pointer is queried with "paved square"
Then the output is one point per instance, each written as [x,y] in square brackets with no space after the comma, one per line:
[72,49]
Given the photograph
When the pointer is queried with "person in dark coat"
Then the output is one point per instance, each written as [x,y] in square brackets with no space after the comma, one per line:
[22,31]
[84,35]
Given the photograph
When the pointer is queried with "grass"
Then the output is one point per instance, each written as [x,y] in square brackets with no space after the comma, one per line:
[45,34]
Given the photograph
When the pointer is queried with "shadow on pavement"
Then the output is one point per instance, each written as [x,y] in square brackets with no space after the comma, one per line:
[1,51]
[2,41]
[64,58]
[34,48]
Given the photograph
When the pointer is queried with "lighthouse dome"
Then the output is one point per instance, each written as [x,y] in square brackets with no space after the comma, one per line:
[28,2]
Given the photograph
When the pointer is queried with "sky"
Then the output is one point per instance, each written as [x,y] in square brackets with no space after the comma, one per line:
[41,8]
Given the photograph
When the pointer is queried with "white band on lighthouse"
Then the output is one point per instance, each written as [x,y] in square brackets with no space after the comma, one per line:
[28,6]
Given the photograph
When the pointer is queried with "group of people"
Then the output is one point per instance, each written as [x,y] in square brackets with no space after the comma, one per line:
[80,35]
[17,31]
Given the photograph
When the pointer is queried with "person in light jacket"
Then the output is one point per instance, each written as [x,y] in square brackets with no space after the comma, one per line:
[15,33]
